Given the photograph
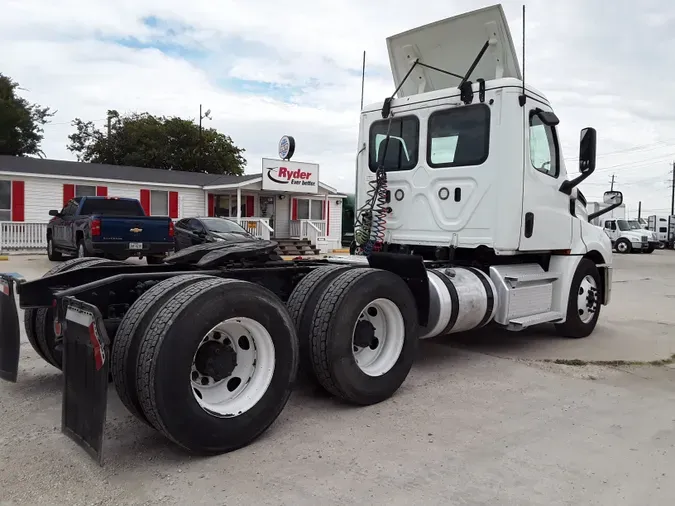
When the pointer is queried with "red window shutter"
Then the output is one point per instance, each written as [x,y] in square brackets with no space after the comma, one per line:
[294,209]
[101,191]
[249,206]
[145,201]
[211,205]
[326,215]
[68,193]
[173,204]
[18,201]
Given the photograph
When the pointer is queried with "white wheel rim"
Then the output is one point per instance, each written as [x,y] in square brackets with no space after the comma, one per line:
[587,299]
[238,385]
[622,247]
[80,251]
[49,246]
[388,330]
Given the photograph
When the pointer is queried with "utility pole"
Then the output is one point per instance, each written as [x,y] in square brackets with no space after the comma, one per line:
[107,140]
[639,210]
[612,187]
[672,193]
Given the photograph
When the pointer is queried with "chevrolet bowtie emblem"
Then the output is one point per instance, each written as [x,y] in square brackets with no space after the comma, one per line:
[136,230]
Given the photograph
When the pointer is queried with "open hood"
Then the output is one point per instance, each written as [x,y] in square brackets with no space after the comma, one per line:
[452,45]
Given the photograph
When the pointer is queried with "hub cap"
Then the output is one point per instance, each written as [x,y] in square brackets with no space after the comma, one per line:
[232,367]
[378,337]
[622,247]
[587,299]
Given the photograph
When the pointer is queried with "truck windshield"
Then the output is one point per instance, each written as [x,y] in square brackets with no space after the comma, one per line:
[634,224]
[623,225]
[112,207]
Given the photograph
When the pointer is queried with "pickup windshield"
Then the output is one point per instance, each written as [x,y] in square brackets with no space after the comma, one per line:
[111,207]
[623,225]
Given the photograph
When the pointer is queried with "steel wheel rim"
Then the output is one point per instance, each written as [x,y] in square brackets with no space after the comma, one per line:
[621,247]
[226,388]
[80,251]
[388,329]
[49,247]
[587,299]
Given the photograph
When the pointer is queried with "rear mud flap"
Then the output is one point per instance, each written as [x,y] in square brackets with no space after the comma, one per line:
[85,372]
[10,332]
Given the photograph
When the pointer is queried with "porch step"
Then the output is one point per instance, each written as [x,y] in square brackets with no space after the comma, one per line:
[296,247]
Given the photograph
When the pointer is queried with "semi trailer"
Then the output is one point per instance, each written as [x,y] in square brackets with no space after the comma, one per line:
[465,217]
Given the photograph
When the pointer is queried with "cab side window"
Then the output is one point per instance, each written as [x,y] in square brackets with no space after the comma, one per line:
[544,153]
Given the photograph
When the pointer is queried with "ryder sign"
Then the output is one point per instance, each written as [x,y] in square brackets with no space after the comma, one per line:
[284,175]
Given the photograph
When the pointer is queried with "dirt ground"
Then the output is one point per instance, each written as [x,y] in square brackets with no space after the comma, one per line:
[485,418]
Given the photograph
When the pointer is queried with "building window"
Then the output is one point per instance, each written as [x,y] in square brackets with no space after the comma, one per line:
[543,147]
[5,201]
[402,148]
[83,190]
[459,136]
[310,209]
[159,203]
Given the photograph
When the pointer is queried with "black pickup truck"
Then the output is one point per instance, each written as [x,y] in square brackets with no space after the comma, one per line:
[108,227]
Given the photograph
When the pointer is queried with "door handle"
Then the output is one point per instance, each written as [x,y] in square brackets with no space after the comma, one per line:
[529,224]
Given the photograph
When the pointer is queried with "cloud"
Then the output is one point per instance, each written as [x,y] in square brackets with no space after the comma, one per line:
[266,69]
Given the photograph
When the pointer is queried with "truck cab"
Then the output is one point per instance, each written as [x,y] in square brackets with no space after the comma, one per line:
[626,237]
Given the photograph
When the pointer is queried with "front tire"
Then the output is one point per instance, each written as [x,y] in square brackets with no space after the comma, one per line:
[364,336]
[650,249]
[623,246]
[583,306]
[217,365]
[54,256]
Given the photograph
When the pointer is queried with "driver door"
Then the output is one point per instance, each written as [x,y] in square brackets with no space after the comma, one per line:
[546,222]
[610,228]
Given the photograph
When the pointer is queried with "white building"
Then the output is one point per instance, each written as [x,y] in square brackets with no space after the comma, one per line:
[285,201]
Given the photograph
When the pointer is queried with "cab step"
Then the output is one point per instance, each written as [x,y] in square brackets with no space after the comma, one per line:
[528,321]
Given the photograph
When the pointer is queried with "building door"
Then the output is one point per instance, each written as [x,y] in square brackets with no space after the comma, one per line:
[267,208]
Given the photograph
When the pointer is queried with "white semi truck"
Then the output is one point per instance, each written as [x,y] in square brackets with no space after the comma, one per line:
[664,227]
[465,217]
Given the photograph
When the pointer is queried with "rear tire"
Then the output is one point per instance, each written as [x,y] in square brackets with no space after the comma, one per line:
[44,317]
[583,306]
[30,314]
[170,354]
[302,303]
[385,352]
[124,353]
[650,249]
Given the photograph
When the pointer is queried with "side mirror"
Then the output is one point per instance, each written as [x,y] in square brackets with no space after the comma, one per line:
[586,159]
[613,198]
[54,212]
[587,146]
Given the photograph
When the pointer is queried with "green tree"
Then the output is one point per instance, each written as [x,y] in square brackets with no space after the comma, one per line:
[21,122]
[144,140]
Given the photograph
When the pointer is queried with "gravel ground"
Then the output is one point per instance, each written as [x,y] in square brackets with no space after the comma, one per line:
[486,419]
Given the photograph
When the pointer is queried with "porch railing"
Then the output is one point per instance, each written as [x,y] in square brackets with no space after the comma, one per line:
[308,229]
[259,227]
[22,236]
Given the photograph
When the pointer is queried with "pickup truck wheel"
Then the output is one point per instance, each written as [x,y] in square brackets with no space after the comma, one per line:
[302,303]
[217,365]
[124,353]
[583,307]
[54,256]
[623,246]
[364,335]
[29,315]
[46,337]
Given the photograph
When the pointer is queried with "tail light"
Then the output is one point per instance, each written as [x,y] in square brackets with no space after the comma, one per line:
[95,227]
[170,228]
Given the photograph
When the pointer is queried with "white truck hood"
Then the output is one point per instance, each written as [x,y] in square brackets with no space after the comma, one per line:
[452,45]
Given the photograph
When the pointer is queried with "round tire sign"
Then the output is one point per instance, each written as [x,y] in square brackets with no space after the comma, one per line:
[286,147]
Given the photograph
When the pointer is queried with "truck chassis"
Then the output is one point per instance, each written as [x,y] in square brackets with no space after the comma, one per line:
[103,320]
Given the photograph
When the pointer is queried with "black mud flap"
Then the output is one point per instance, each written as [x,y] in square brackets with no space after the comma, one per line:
[10,332]
[411,268]
[86,352]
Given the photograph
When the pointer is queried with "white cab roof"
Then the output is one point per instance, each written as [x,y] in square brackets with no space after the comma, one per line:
[452,45]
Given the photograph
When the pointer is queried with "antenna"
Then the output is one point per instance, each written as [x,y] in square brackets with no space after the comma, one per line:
[523,97]
[363,78]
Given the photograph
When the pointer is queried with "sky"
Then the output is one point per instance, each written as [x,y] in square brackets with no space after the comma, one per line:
[268,68]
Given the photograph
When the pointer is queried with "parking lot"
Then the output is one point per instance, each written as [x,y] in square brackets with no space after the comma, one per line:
[490,418]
